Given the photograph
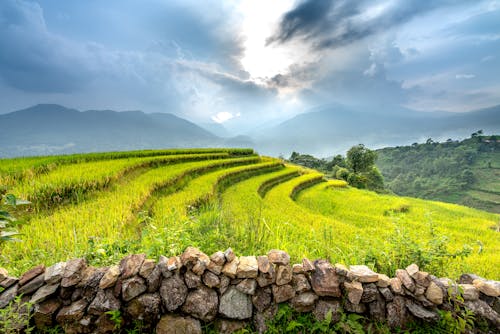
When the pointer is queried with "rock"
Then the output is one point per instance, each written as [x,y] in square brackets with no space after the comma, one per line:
[235,304]
[174,324]
[104,301]
[247,267]
[54,273]
[87,275]
[8,295]
[324,279]
[147,268]
[73,272]
[412,270]
[362,274]
[70,314]
[300,283]
[283,275]
[8,282]
[469,292]
[383,281]
[247,286]
[262,299]
[133,287]
[298,269]
[224,283]
[110,277]
[341,270]
[224,326]
[32,285]
[263,264]
[386,293]
[377,309]
[405,278]
[218,258]
[105,325]
[421,313]
[489,288]
[482,309]
[145,308]
[468,278]
[91,286]
[422,279]
[278,257]
[434,294]
[3,274]
[214,268]
[192,280]
[131,264]
[173,292]
[201,303]
[154,279]
[229,255]
[211,280]
[370,293]
[44,293]
[419,290]
[282,293]
[44,312]
[304,302]
[354,292]
[230,268]
[260,319]
[397,315]
[173,263]
[30,274]
[323,307]
[307,265]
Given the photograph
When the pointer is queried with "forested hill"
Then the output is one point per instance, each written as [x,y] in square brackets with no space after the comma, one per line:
[465,172]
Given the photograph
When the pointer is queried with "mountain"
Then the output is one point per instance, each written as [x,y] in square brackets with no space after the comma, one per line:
[54,129]
[332,129]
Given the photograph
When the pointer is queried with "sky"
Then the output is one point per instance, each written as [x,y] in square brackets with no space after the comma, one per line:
[247,64]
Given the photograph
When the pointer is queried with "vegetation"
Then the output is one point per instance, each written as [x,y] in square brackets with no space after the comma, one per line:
[464,172]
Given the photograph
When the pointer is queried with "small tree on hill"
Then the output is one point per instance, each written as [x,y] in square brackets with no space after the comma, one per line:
[361,159]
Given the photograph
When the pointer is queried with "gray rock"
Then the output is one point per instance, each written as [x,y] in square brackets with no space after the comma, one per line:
[264,264]
[73,272]
[235,304]
[71,314]
[154,279]
[8,295]
[278,257]
[218,258]
[362,274]
[54,273]
[44,293]
[31,274]
[324,279]
[489,288]
[173,292]
[224,283]
[397,315]
[482,309]
[201,303]
[412,270]
[262,299]
[354,292]
[145,308]
[300,283]
[304,302]
[282,293]
[323,307]
[247,286]
[211,280]
[32,285]
[307,265]
[468,278]
[133,287]
[192,280]
[173,324]
[377,309]
[131,264]
[370,293]
[386,293]
[104,301]
[283,275]
[43,313]
[434,293]
[247,267]
[405,278]
[229,255]
[421,313]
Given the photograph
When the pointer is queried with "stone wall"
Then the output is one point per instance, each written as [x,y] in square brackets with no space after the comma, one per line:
[186,291]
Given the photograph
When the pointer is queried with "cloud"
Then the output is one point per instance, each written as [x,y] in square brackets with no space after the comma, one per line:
[224,116]
[464,76]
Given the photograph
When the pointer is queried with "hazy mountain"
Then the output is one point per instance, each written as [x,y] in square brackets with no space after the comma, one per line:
[51,129]
[333,129]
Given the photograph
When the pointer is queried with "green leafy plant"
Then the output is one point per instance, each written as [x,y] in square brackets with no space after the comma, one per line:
[15,317]
[116,317]
[8,222]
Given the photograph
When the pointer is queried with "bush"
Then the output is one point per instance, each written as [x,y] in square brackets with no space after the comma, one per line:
[342,173]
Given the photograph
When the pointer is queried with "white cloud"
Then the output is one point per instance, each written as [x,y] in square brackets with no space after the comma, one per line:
[464,76]
[224,116]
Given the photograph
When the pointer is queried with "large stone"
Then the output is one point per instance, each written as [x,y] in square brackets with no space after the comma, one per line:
[104,301]
[224,326]
[147,268]
[362,274]
[73,313]
[32,285]
[54,273]
[247,286]
[262,299]
[30,274]
[377,309]
[91,285]
[352,308]
[283,275]
[131,264]
[174,324]
[469,292]
[300,283]
[383,281]
[192,280]
[396,285]
[8,282]
[304,302]
[73,272]
[218,258]
[264,264]
[43,313]
[278,257]
[324,279]
[173,263]
[370,293]
[397,315]
[412,270]
[422,313]
[482,309]
[201,303]
[282,293]
[247,267]
[434,293]
[467,278]
[133,287]
[8,295]
[230,268]
[215,268]
[386,293]
[154,279]
[44,293]
[307,265]
[173,292]
[110,277]
[405,278]
[229,255]
[211,280]
[489,288]
[354,291]
[422,279]
[145,308]
[235,304]
[325,307]
[195,259]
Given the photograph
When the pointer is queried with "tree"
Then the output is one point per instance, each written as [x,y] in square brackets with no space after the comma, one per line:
[360,159]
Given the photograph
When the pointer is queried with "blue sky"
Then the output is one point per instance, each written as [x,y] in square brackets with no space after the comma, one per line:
[251,62]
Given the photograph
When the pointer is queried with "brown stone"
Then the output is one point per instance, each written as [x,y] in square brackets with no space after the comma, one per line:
[247,286]
[202,303]
[131,264]
[383,281]
[434,293]
[43,313]
[145,308]
[307,265]
[44,293]
[482,309]
[469,292]
[362,274]
[54,273]
[30,274]
[8,282]
[354,292]
[3,274]
[397,315]
[386,293]
[147,268]
[225,326]
[218,258]
[370,293]
[489,288]
[72,313]
[262,299]
[91,285]
[300,283]
[304,302]
[211,280]
[192,280]
[105,325]
[133,287]
[8,295]
[73,272]
[282,293]
[298,269]
[396,285]
[247,267]
[173,263]
[104,301]
[224,283]
[405,278]
[283,275]
[215,268]
[87,275]
[154,279]
[173,292]
[324,307]
[422,279]
[278,257]
[32,285]
[195,259]
[229,255]
[174,324]
[230,268]
[341,270]
[324,279]
[412,270]
[110,277]
[264,264]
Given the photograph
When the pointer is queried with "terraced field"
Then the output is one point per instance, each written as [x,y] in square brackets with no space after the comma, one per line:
[102,206]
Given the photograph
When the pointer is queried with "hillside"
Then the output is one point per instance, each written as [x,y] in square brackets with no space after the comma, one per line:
[465,172]
[105,205]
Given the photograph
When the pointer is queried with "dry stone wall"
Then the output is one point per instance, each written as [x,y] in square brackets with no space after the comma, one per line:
[179,294]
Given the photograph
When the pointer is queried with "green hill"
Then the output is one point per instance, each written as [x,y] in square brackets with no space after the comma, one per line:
[101,206]
[465,172]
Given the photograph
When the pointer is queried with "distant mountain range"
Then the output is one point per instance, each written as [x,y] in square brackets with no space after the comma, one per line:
[324,131]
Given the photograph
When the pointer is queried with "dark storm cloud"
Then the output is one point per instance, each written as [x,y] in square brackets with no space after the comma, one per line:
[332,24]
